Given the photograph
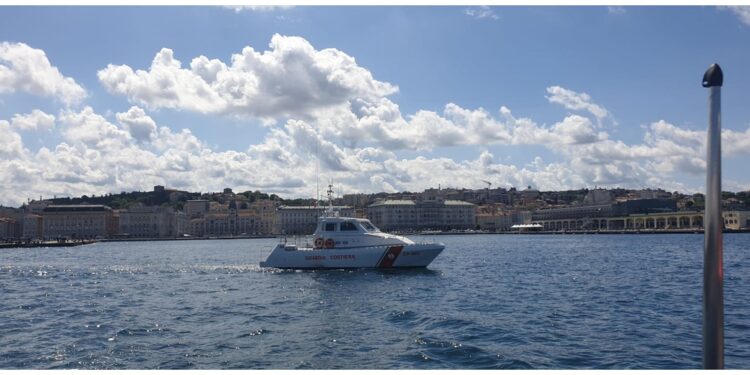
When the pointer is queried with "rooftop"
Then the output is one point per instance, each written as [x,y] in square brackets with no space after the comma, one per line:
[77,208]
[394,202]
[409,202]
[311,207]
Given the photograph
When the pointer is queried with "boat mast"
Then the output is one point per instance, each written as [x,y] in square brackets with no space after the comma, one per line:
[317,173]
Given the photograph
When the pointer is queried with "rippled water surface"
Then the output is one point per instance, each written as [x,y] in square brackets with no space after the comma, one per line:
[488,301]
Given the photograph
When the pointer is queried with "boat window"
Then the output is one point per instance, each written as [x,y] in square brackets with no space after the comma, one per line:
[330,227]
[348,225]
[369,227]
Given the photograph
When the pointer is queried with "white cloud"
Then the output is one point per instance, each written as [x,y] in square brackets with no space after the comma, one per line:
[11,146]
[575,101]
[98,156]
[36,120]
[290,79]
[741,11]
[481,12]
[341,119]
[138,124]
[92,130]
[26,69]
[573,129]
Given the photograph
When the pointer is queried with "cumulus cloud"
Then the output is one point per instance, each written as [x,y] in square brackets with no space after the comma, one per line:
[140,126]
[98,156]
[36,120]
[575,101]
[27,69]
[382,124]
[290,79]
[12,145]
[340,121]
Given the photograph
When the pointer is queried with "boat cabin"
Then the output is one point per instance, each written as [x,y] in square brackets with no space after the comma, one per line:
[331,226]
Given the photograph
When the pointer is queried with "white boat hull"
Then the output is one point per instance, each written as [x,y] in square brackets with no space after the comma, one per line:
[383,256]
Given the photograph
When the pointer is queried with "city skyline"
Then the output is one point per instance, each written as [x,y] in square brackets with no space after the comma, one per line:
[387,98]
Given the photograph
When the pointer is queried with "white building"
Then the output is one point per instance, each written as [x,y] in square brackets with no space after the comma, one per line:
[427,214]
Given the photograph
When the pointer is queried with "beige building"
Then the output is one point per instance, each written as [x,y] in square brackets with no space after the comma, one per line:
[736,220]
[439,214]
[258,218]
[151,222]
[78,221]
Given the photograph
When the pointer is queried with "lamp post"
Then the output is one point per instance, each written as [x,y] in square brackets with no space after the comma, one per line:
[713,271]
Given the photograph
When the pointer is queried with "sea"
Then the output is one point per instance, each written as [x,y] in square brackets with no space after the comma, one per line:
[487,302]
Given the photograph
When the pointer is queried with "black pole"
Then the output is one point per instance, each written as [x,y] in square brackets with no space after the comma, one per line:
[713,270]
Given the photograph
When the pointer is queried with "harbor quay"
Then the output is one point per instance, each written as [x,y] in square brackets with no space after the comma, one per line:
[172,214]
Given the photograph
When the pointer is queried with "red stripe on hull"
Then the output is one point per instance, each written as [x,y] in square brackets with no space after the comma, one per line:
[390,257]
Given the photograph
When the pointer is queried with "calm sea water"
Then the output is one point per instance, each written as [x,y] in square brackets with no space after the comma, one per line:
[488,301]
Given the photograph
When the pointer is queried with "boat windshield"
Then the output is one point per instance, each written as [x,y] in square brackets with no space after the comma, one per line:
[368,226]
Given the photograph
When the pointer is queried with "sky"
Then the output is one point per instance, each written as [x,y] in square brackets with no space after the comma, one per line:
[97,100]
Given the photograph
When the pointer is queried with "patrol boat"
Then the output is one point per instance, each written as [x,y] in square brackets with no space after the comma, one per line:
[347,242]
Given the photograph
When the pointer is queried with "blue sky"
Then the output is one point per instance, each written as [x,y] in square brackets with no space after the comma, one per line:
[640,66]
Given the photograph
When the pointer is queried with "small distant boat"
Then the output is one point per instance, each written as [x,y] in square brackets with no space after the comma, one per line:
[347,242]
[430,232]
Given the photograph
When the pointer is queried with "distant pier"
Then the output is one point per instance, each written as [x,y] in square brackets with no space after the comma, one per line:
[53,243]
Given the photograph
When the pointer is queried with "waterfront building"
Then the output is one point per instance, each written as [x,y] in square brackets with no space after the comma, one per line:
[304,219]
[149,222]
[10,228]
[196,226]
[520,217]
[32,227]
[394,214]
[494,222]
[736,220]
[265,217]
[11,223]
[582,212]
[78,221]
[36,207]
[436,214]
[216,219]
[181,223]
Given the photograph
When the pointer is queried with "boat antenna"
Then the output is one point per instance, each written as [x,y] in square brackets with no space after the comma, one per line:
[713,268]
[317,174]
[330,200]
